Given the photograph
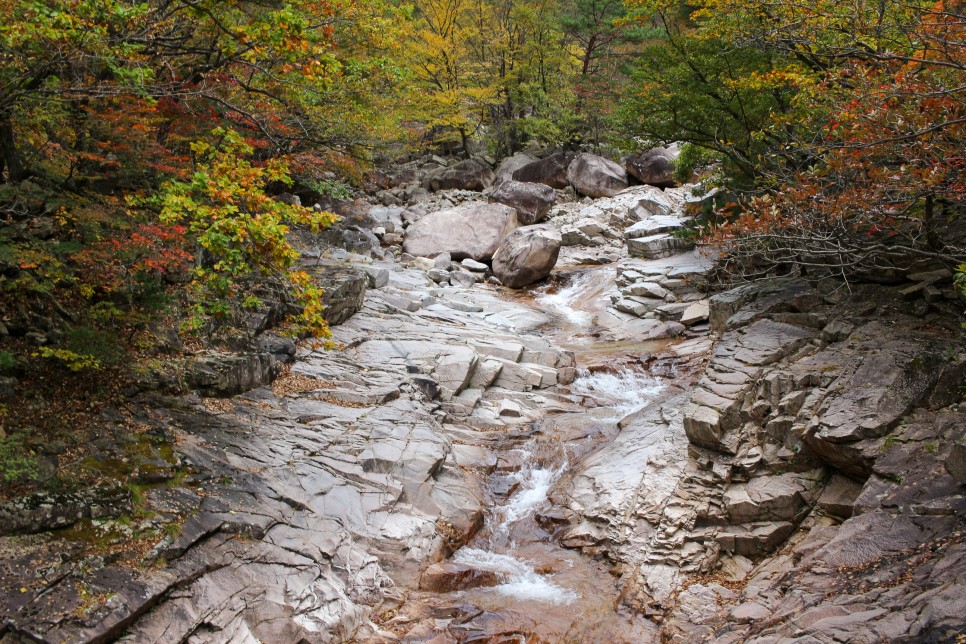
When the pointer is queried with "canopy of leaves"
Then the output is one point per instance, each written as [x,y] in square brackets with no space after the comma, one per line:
[844,121]
[104,102]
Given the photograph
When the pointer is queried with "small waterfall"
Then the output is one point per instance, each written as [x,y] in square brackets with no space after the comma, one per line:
[581,288]
[534,484]
[521,581]
[625,391]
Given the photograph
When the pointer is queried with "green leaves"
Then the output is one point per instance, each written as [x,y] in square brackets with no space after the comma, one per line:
[241,229]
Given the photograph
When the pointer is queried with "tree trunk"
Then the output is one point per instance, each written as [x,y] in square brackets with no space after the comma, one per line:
[9,156]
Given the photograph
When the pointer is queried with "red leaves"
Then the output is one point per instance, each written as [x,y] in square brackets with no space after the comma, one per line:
[111,264]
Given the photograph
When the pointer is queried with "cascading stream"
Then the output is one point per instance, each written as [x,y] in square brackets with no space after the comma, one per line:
[521,581]
[624,391]
[616,392]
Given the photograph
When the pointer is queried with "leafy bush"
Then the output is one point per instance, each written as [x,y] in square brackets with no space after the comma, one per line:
[690,160]
[241,231]
[333,189]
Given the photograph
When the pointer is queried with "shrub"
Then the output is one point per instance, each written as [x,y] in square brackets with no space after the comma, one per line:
[241,231]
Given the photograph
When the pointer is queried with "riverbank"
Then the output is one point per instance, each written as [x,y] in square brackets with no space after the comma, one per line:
[471,462]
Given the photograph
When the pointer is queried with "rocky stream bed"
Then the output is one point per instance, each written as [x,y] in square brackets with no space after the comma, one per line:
[612,455]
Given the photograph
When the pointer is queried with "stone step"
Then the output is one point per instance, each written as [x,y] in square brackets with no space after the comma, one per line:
[658,246]
[655,225]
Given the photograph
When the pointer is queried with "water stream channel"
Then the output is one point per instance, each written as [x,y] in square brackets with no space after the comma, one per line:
[536,589]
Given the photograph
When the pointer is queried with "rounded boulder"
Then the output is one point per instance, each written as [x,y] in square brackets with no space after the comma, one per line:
[471,174]
[596,176]
[473,230]
[532,201]
[655,167]
[527,255]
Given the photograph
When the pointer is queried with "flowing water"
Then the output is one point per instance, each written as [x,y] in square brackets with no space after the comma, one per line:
[545,592]
[623,391]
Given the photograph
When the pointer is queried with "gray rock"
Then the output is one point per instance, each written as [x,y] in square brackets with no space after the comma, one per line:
[461,305]
[649,289]
[525,377]
[443,261]
[696,313]
[377,276]
[392,239]
[8,388]
[526,256]
[655,166]
[596,176]
[956,461]
[486,373]
[45,511]
[532,201]
[658,246]
[471,230]
[551,171]
[474,266]
[767,498]
[471,174]
[462,278]
[282,348]
[423,263]
[403,303]
[345,291]
[290,199]
[749,612]
[672,311]
[639,306]
[755,539]
[223,374]
[839,496]
[654,225]
[509,165]
[930,277]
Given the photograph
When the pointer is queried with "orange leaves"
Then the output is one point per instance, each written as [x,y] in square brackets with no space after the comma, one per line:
[126,259]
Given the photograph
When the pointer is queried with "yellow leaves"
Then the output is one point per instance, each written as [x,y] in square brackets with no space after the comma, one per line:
[790,77]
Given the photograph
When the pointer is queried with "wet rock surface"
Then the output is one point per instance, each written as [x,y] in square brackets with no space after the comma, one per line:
[616,454]
[803,448]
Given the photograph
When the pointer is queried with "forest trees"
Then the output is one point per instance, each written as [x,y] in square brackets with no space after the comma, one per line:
[515,71]
[104,101]
[843,124]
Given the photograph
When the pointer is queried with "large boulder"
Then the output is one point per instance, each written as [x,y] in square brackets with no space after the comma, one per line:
[551,171]
[471,174]
[596,176]
[655,167]
[345,290]
[509,165]
[527,255]
[473,230]
[532,201]
[217,374]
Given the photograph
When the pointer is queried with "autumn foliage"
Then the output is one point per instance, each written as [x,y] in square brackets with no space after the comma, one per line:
[140,144]
[847,146]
